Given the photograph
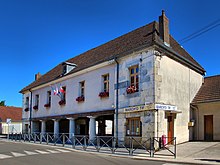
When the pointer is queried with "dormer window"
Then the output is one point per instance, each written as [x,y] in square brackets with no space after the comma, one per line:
[67,67]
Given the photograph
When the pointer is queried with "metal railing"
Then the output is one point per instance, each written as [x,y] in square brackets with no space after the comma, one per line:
[144,146]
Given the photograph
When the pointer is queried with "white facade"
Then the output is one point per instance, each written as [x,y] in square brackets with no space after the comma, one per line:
[161,80]
[13,127]
[139,81]
[177,85]
[93,103]
[93,86]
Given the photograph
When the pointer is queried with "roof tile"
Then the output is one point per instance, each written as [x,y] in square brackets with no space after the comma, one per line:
[13,113]
[209,91]
[143,36]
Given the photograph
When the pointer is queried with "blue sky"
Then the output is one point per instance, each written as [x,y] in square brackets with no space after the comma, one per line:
[36,35]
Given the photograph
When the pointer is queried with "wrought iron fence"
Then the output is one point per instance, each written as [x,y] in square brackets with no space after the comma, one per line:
[130,145]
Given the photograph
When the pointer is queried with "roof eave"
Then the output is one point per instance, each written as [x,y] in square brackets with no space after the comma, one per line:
[177,57]
[205,101]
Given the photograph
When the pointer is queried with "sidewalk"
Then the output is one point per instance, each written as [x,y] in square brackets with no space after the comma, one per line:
[187,153]
[191,153]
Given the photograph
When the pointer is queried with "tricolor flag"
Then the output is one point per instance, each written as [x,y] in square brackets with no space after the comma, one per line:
[61,90]
[55,91]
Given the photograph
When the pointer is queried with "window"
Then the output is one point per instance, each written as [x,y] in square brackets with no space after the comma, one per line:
[134,80]
[49,97]
[36,100]
[63,93]
[105,83]
[35,107]
[27,102]
[82,88]
[133,127]
[81,96]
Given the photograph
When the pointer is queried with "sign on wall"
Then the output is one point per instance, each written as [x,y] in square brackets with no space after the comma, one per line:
[8,121]
[139,108]
[165,107]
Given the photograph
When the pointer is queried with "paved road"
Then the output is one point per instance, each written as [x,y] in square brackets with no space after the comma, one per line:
[12,153]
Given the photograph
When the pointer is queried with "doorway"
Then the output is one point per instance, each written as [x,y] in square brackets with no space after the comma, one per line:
[208,127]
[170,128]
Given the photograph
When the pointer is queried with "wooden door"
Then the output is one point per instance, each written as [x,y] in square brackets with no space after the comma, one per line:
[170,124]
[208,127]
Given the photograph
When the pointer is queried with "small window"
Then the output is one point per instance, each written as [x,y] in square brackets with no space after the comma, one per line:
[82,88]
[134,79]
[49,97]
[63,93]
[27,102]
[105,83]
[36,100]
[133,127]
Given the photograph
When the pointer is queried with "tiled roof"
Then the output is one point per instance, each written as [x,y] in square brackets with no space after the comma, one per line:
[13,113]
[209,91]
[142,37]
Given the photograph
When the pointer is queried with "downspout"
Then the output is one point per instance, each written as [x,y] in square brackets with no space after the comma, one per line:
[30,118]
[116,106]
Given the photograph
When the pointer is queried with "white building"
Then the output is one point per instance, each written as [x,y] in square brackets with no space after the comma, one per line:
[147,82]
[10,119]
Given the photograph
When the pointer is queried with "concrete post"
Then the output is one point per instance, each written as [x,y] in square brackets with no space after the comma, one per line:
[71,127]
[92,127]
[43,127]
[32,130]
[56,127]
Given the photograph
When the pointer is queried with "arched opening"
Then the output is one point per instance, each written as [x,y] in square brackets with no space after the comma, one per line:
[64,126]
[82,126]
[105,125]
[36,126]
[50,126]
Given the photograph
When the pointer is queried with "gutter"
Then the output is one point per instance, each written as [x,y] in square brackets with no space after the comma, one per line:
[116,108]
[30,118]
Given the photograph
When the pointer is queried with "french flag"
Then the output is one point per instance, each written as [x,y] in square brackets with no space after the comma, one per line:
[55,91]
[61,90]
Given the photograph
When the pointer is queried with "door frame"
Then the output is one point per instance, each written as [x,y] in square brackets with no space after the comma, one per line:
[209,132]
[170,127]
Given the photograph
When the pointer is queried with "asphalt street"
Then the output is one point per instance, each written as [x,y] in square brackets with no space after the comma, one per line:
[12,153]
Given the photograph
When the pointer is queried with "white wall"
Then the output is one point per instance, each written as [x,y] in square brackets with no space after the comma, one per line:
[211,108]
[177,85]
[92,103]
[14,127]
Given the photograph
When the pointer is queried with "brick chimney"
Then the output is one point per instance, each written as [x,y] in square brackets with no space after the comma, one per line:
[164,28]
[37,76]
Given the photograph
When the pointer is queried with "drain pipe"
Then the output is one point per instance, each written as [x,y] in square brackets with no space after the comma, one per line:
[30,118]
[116,106]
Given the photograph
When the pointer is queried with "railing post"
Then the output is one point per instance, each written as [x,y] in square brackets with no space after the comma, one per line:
[55,139]
[63,139]
[41,137]
[152,147]
[34,138]
[47,139]
[98,143]
[130,146]
[19,137]
[175,147]
[113,144]
[84,146]
[73,142]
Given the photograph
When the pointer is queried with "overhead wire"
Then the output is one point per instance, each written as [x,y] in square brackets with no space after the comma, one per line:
[200,32]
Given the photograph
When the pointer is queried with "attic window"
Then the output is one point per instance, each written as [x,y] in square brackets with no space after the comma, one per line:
[67,67]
